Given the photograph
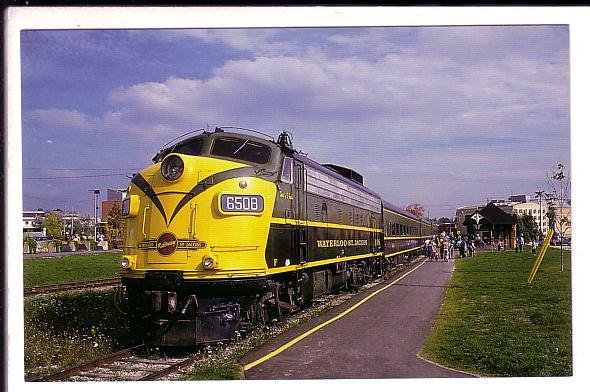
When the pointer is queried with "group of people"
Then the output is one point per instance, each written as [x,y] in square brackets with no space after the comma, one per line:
[498,245]
[443,247]
[520,244]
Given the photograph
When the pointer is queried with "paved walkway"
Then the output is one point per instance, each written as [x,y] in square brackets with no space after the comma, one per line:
[379,339]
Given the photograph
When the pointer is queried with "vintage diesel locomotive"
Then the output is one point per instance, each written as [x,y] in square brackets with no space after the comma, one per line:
[227,230]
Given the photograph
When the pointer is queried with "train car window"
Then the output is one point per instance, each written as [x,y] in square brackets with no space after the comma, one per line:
[324,212]
[287,172]
[242,149]
[194,147]
[316,209]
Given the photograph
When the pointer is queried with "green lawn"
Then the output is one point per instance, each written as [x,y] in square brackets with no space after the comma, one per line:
[494,324]
[74,268]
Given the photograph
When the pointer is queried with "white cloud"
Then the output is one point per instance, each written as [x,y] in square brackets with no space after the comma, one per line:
[61,118]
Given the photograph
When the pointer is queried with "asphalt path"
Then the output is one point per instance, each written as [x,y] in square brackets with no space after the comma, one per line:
[379,339]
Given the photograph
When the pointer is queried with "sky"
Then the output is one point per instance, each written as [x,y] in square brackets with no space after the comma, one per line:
[444,116]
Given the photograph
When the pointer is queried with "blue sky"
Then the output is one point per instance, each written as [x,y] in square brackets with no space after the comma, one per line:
[443,116]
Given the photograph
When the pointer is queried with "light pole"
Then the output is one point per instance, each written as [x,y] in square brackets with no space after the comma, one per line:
[96,193]
[540,195]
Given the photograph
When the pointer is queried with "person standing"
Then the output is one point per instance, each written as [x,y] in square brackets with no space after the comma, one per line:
[534,246]
[471,248]
[429,249]
[445,248]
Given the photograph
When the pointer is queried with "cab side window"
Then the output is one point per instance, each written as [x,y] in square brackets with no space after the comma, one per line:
[287,172]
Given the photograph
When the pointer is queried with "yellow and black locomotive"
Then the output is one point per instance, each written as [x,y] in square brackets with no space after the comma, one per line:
[227,230]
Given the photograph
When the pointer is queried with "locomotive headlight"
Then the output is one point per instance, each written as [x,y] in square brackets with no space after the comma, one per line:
[128,262]
[172,167]
[209,262]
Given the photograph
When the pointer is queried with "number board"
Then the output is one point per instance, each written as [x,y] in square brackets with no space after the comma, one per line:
[242,203]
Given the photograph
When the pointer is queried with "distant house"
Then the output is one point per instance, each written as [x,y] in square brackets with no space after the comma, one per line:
[31,224]
[492,223]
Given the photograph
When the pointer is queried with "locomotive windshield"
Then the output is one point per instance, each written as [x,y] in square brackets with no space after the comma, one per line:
[241,149]
[226,146]
[192,146]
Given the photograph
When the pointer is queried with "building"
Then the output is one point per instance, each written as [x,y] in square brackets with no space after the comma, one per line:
[538,211]
[566,212]
[519,205]
[114,197]
[32,224]
[461,214]
[492,224]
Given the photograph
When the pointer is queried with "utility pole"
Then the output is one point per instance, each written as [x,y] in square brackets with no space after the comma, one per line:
[96,193]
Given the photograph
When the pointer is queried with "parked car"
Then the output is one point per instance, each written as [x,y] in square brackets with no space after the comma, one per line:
[561,241]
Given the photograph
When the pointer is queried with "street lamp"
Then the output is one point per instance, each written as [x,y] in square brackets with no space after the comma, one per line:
[96,193]
[540,195]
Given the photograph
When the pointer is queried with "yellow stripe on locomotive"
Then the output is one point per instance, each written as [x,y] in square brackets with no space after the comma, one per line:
[206,227]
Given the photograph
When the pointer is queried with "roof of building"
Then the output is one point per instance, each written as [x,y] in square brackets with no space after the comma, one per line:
[494,215]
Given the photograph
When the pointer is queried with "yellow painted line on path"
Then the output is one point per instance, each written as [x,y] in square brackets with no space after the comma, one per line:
[317,328]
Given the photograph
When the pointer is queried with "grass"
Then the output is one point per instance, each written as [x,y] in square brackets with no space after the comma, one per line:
[494,324]
[74,268]
[224,371]
[65,329]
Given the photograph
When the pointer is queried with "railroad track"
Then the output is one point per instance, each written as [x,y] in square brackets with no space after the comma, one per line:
[131,364]
[56,288]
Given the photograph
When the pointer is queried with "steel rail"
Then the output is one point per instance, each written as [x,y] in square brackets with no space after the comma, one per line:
[170,369]
[56,288]
[91,364]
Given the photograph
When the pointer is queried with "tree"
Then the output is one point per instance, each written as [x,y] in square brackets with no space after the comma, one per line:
[78,228]
[115,222]
[527,226]
[53,225]
[559,184]
[416,209]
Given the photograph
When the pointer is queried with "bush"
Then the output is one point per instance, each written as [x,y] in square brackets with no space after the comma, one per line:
[66,329]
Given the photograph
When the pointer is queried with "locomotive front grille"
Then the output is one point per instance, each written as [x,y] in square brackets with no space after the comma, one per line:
[163,278]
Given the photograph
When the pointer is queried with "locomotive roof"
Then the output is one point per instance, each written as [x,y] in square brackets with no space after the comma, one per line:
[332,173]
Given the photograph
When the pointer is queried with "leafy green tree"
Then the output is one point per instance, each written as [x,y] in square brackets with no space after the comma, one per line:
[527,226]
[53,225]
[78,228]
[32,244]
[115,222]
